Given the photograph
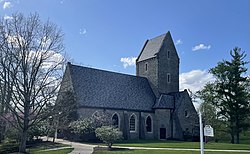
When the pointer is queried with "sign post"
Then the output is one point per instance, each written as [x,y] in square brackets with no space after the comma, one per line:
[208,131]
[201,134]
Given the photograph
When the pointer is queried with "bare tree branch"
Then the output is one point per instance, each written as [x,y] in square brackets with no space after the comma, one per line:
[31,63]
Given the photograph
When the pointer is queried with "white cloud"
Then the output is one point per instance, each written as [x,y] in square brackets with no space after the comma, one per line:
[83,31]
[201,47]
[7,5]
[15,40]
[55,60]
[128,61]
[51,59]
[178,42]
[6,17]
[194,80]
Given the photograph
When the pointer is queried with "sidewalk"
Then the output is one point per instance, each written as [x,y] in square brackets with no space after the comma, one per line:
[79,148]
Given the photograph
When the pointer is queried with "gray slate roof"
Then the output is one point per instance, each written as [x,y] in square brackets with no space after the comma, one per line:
[164,102]
[151,47]
[99,88]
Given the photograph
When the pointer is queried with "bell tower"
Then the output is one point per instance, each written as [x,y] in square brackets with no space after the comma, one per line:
[159,63]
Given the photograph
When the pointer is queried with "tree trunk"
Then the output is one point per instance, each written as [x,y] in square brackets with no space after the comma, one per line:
[22,147]
[237,137]
[24,134]
[232,138]
[109,146]
[237,130]
[55,135]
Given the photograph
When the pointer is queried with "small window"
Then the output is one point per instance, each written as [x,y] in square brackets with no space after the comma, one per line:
[115,120]
[168,78]
[168,54]
[148,124]
[146,67]
[186,113]
[132,126]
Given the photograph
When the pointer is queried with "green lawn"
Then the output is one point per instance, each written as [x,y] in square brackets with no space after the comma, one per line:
[39,148]
[180,144]
[61,151]
[245,145]
[160,152]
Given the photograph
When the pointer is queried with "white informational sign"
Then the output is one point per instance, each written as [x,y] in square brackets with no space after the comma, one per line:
[208,131]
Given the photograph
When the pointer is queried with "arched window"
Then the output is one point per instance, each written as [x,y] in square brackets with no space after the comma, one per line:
[96,114]
[115,120]
[132,124]
[148,124]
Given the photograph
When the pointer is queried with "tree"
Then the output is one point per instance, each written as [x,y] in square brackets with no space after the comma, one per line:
[209,112]
[37,130]
[64,111]
[82,126]
[229,93]
[207,108]
[89,125]
[108,134]
[31,67]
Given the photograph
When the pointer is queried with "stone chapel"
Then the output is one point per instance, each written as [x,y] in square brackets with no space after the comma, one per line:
[146,106]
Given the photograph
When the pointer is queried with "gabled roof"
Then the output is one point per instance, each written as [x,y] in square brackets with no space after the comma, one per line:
[164,102]
[152,47]
[104,89]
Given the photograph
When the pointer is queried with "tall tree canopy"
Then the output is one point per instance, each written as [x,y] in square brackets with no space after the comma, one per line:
[30,69]
[229,94]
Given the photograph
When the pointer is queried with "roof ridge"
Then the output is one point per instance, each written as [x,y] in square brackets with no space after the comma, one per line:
[107,71]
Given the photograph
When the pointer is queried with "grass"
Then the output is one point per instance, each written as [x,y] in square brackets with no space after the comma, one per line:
[45,145]
[159,152]
[244,140]
[39,148]
[180,144]
[61,151]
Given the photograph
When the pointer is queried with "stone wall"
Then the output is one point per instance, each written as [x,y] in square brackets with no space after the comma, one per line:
[124,116]
[66,84]
[162,121]
[150,74]
[148,135]
[168,64]
[185,116]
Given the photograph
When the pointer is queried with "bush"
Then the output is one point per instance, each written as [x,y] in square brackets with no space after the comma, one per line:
[85,128]
[39,129]
[108,134]
[12,134]
[9,148]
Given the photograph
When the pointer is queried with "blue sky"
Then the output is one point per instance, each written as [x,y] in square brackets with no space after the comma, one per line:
[103,33]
